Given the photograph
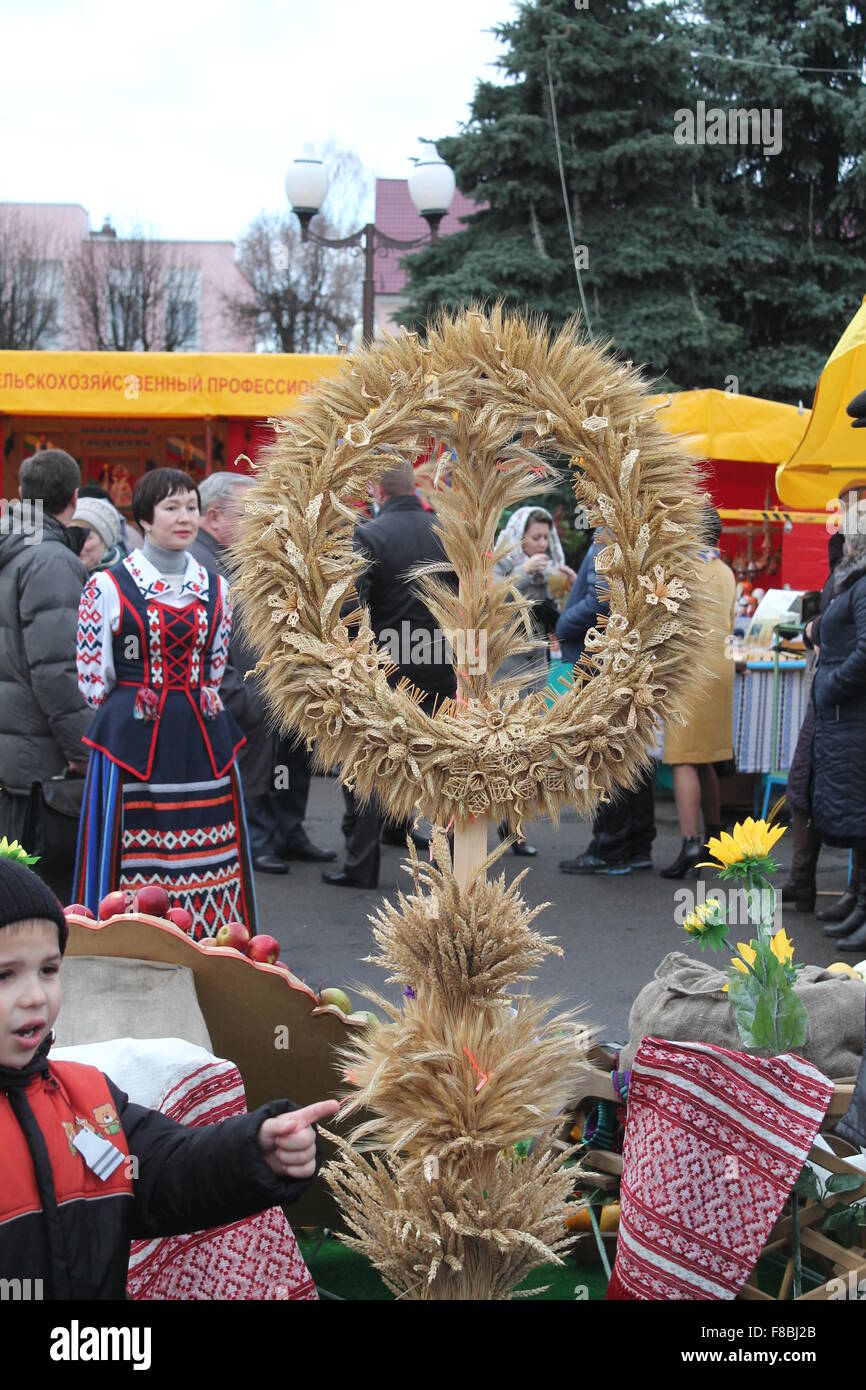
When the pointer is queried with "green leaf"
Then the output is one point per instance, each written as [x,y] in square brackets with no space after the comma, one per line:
[843,1224]
[845,1182]
[792,1020]
[808,1184]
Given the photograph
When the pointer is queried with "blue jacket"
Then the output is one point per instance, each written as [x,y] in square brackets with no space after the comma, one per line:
[581,609]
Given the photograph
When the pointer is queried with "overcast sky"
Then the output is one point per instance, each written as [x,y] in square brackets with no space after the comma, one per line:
[182,115]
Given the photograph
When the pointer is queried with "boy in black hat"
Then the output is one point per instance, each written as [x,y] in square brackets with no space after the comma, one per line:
[83,1171]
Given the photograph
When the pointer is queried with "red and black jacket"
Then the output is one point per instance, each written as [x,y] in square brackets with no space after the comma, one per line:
[61,1224]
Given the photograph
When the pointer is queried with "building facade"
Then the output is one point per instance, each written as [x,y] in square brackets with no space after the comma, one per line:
[114,293]
[396,215]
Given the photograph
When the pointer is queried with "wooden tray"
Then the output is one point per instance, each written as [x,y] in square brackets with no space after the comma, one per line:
[249,1008]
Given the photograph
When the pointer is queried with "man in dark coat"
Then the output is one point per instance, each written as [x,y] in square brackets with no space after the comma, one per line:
[623,829]
[399,537]
[839,695]
[275,813]
[43,715]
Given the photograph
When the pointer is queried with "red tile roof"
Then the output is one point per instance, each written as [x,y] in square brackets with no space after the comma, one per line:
[396,215]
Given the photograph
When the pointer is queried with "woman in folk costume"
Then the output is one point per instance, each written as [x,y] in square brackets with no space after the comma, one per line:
[162,801]
[533,556]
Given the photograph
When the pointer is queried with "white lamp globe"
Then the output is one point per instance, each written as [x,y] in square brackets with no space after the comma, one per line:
[431,186]
[307,182]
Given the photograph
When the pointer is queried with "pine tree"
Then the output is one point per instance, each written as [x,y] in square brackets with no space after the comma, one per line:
[620,71]
[704,261]
[800,264]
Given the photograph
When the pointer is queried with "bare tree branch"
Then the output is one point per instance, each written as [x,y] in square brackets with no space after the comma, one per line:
[134,294]
[302,295]
[30,285]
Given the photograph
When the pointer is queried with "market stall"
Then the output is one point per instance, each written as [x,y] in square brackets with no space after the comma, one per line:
[121,414]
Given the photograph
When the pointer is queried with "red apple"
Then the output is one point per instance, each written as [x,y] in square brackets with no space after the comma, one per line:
[115,903]
[233,934]
[78,910]
[264,948]
[180,917]
[153,900]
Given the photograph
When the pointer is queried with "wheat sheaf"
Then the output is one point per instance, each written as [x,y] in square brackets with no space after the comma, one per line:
[434,1187]
[504,406]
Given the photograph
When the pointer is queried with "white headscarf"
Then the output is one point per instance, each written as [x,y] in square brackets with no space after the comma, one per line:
[515,530]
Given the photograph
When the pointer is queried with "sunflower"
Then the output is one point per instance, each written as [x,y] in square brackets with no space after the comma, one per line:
[748,846]
[781,945]
[12,850]
[707,924]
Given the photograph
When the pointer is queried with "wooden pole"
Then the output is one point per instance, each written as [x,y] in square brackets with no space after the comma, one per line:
[470,849]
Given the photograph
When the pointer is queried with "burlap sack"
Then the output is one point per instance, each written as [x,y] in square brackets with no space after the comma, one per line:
[684,1003]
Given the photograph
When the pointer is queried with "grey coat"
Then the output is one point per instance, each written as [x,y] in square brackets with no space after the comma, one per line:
[43,714]
[533,586]
[242,697]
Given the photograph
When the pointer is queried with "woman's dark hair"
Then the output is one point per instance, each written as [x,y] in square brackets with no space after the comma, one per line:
[50,477]
[537,515]
[711,526]
[154,487]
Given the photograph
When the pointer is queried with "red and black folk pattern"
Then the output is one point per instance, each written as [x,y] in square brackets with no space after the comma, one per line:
[714,1142]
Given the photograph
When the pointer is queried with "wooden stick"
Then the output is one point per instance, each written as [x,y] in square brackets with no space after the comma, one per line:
[470,850]
[785,1286]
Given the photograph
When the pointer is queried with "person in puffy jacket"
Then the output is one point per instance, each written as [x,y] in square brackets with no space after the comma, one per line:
[43,714]
[83,1170]
[839,748]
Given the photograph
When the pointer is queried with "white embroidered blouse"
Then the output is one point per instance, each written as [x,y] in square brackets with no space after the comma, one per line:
[99,621]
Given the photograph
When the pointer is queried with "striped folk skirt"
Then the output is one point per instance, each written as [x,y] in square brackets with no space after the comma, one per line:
[189,838]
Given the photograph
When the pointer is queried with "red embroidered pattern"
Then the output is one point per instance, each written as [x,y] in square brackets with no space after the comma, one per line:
[253,1259]
[714,1142]
[88,651]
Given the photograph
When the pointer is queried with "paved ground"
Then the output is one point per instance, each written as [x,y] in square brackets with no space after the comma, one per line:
[614,931]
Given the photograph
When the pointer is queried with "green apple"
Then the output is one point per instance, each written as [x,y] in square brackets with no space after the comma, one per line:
[338,997]
[372,1020]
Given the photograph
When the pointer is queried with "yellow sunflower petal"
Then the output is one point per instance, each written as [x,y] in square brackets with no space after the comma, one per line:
[782,947]
[746,952]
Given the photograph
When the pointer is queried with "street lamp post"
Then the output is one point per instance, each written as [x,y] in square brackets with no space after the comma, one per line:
[431,188]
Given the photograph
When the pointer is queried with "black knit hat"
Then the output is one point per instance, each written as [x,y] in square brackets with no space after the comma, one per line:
[23,895]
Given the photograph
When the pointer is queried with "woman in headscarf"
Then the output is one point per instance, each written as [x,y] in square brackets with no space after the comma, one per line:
[839,750]
[533,556]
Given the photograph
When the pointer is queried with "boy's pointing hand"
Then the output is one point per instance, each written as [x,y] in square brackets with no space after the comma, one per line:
[288,1142]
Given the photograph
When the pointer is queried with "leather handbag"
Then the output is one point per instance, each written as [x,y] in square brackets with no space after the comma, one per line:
[54,816]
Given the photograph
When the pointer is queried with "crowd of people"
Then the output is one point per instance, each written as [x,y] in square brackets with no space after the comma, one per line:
[135,748]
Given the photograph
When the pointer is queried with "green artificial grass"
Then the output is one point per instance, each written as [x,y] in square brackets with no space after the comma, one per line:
[338,1270]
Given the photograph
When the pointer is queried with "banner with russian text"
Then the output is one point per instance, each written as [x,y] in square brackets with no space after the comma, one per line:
[154,384]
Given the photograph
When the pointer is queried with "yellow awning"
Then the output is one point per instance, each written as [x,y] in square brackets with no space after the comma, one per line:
[149,385]
[720,425]
[831,455]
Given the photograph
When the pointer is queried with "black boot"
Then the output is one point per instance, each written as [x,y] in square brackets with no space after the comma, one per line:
[854,925]
[846,904]
[691,853]
[800,888]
